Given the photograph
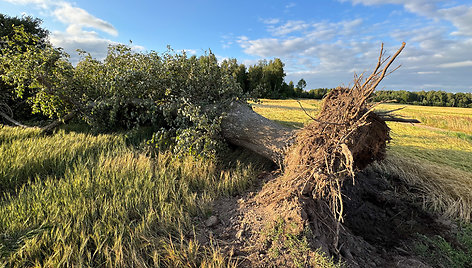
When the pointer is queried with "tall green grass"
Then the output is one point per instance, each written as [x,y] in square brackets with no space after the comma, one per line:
[76,199]
[26,154]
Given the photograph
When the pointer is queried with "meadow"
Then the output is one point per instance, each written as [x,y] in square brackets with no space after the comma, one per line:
[85,199]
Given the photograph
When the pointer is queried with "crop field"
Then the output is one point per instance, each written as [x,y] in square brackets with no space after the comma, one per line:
[434,156]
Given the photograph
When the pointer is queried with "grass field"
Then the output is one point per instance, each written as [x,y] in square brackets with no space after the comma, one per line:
[435,157]
[95,200]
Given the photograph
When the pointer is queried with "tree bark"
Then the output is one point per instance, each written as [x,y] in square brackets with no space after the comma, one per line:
[244,127]
[13,121]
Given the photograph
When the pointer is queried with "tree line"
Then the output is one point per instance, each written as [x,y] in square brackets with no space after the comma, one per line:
[266,79]
[427,98]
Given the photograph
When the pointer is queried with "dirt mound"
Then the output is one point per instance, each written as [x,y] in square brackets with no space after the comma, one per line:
[382,220]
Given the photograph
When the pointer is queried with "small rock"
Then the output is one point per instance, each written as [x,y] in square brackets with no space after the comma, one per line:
[212,221]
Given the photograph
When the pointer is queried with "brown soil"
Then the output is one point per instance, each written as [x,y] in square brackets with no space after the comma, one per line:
[381,222]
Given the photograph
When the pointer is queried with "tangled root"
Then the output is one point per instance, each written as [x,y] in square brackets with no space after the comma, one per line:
[345,137]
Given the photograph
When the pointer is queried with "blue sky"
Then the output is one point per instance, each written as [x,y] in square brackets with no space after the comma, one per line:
[324,42]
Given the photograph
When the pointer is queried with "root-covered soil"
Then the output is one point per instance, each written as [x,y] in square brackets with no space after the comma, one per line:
[381,224]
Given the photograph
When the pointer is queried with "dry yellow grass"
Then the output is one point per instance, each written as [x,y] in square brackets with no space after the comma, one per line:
[447,118]
[442,188]
[287,112]
[436,159]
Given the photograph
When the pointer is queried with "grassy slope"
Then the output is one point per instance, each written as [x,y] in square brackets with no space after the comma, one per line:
[436,159]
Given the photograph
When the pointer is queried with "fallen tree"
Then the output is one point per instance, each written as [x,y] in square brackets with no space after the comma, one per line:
[345,137]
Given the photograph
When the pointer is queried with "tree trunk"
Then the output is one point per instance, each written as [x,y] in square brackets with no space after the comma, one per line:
[244,127]
[50,128]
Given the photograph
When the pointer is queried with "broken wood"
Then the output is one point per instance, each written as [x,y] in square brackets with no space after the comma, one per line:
[50,128]
[13,121]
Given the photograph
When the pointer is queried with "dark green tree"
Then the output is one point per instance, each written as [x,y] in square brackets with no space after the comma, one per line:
[12,104]
[238,71]
[300,86]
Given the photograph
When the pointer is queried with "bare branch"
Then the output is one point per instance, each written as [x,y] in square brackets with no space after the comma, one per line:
[13,121]
[372,88]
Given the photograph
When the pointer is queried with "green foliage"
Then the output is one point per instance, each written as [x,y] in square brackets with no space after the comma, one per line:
[266,78]
[39,68]
[30,24]
[301,85]
[10,102]
[436,250]
[184,98]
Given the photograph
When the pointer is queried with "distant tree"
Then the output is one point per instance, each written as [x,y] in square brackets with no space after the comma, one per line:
[255,78]
[301,84]
[266,79]
[237,71]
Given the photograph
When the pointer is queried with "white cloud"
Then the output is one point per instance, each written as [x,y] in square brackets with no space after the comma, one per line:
[271,21]
[431,72]
[76,17]
[290,5]
[328,53]
[75,36]
[270,47]
[189,51]
[466,63]
[289,27]
[459,16]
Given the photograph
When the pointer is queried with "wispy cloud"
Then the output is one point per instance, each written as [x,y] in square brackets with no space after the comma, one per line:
[271,21]
[78,17]
[466,63]
[290,5]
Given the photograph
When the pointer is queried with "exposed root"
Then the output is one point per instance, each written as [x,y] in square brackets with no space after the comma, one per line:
[344,138]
